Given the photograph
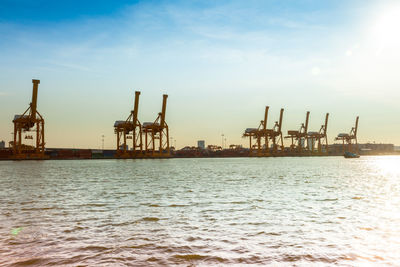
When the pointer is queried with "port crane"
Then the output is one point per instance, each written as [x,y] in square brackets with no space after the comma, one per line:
[30,121]
[129,129]
[259,136]
[318,141]
[157,135]
[275,135]
[349,140]
[299,138]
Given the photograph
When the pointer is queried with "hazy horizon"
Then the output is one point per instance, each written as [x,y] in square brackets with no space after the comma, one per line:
[220,62]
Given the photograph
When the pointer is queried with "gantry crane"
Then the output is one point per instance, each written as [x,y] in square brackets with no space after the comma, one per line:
[129,129]
[299,138]
[260,136]
[157,135]
[349,139]
[29,121]
[319,139]
[275,135]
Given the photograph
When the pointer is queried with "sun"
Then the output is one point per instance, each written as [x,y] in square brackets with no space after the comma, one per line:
[386,28]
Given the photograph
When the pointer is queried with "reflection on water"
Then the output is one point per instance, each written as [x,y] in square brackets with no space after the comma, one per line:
[201,211]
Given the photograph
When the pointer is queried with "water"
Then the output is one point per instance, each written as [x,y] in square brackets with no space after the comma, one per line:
[233,211]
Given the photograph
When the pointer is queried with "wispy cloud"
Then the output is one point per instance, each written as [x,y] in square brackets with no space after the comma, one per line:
[70,66]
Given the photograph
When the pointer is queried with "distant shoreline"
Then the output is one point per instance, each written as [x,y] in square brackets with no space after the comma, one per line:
[96,154]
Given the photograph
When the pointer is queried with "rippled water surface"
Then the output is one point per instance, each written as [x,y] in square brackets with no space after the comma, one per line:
[234,211]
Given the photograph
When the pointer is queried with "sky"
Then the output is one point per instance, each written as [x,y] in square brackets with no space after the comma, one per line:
[220,62]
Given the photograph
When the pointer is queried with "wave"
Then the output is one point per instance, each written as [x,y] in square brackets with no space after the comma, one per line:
[197,257]
[150,219]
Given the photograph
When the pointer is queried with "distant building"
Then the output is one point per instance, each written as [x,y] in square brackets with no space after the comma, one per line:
[214,148]
[237,147]
[377,147]
[201,144]
[2,145]
[368,148]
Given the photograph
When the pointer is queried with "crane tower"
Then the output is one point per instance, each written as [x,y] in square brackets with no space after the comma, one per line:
[259,136]
[157,135]
[318,141]
[30,121]
[299,137]
[129,129]
[276,135]
[349,140]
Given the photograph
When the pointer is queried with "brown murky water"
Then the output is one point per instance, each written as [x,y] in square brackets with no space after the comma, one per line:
[277,211]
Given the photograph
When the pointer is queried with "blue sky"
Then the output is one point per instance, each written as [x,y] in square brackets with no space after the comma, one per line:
[220,62]
[39,11]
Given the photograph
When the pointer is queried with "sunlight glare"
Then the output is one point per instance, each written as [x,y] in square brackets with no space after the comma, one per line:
[386,29]
[389,165]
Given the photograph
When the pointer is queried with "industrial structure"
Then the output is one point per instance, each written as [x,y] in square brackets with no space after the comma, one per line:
[299,137]
[129,129]
[269,142]
[201,144]
[261,137]
[29,122]
[152,140]
[318,141]
[275,135]
[258,138]
[349,141]
[157,135]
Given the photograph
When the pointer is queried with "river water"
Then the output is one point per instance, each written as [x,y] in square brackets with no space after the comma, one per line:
[230,211]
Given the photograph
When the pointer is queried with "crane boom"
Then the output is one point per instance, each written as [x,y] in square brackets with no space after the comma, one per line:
[136,107]
[356,127]
[265,118]
[280,120]
[306,125]
[34,98]
[326,123]
[164,108]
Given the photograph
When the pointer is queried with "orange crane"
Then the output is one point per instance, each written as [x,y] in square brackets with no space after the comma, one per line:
[319,139]
[259,135]
[129,129]
[27,122]
[299,137]
[349,139]
[275,135]
[157,130]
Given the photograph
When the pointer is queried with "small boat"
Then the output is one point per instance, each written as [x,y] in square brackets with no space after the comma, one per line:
[350,155]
